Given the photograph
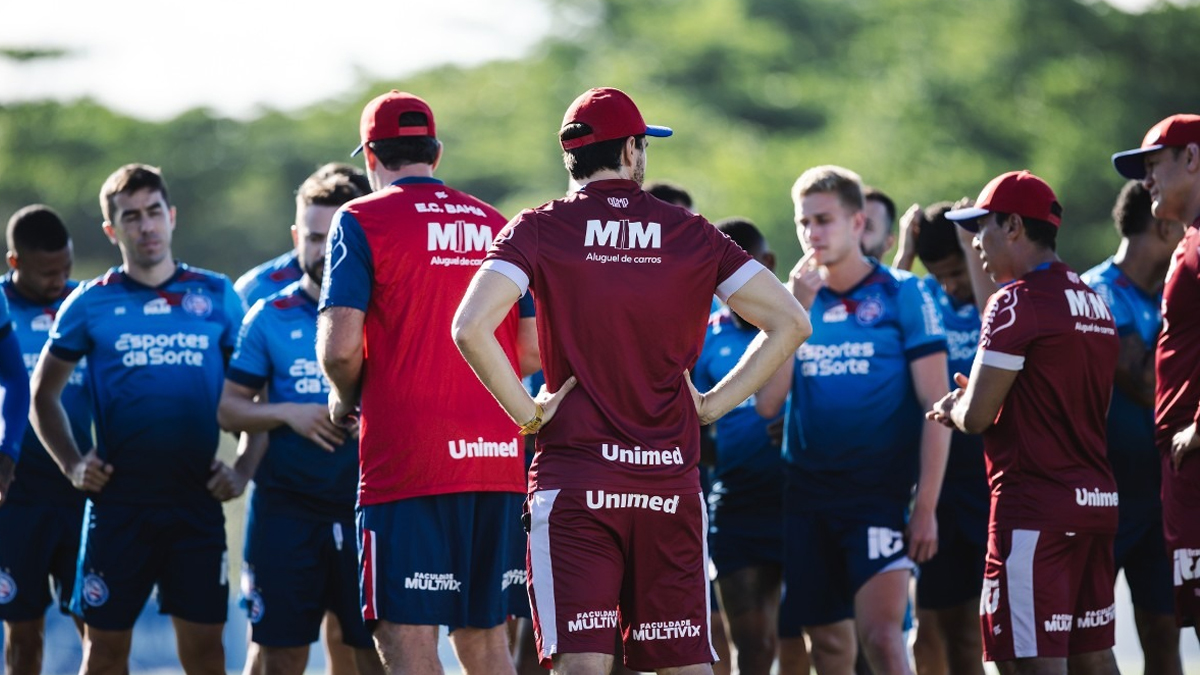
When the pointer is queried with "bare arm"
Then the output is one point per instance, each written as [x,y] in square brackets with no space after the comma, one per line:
[242,410]
[528,355]
[929,382]
[1135,370]
[340,352]
[973,407]
[488,300]
[910,226]
[784,325]
[53,427]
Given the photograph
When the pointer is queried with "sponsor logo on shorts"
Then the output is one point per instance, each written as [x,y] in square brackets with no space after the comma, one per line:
[605,618]
[514,577]
[1095,498]
[255,607]
[1186,563]
[1096,618]
[989,602]
[464,449]
[95,591]
[615,453]
[1058,623]
[425,581]
[197,304]
[883,542]
[666,630]
[599,499]
[8,588]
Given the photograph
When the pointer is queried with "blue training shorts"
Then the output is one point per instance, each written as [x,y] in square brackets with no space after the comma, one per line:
[1140,550]
[37,543]
[954,576]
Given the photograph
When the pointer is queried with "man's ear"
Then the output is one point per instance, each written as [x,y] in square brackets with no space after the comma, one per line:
[109,232]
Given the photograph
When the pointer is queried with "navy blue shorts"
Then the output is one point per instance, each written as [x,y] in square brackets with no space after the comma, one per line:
[741,540]
[955,575]
[1141,551]
[516,577]
[829,555]
[37,543]
[438,560]
[127,549]
[295,569]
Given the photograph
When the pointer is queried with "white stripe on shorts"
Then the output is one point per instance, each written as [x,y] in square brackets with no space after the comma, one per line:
[707,583]
[541,568]
[1018,571]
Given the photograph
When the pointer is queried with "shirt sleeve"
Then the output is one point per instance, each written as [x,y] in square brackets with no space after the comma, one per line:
[920,321]
[1009,327]
[234,311]
[251,363]
[348,265]
[69,337]
[734,266]
[1120,310]
[514,251]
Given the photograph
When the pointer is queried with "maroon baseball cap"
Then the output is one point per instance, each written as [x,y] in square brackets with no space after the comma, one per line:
[381,118]
[611,114]
[1018,192]
[1175,131]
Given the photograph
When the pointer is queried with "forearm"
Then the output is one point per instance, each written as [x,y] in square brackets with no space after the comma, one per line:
[53,427]
[249,416]
[768,352]
[345,377]
[251,449]
[935,451]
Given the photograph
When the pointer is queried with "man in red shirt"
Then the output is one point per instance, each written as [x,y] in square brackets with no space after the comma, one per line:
[623,283]
[1168,164]
[1039,392]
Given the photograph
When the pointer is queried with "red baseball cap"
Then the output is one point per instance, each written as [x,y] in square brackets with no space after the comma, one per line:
[1018,192]
[381,118]
[611,114]
[1175,131]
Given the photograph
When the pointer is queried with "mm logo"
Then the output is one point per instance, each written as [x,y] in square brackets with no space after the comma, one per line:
[459,237]
[623,235]
[1086,304]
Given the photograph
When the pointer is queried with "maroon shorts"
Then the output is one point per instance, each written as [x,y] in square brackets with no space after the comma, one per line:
[1181,529]
[600,561]
[1047,594]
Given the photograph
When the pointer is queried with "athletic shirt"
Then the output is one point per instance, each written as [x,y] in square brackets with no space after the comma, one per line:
[276,348]
[966,476]
[623,283]
[1046,450]
[404,255]
[1131,450]
[38,478]
[1177,371]
[268,278]
[748,475]
[854,423]
[156,367]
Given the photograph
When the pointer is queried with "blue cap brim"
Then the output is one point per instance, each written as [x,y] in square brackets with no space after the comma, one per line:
[357,151]
[658,132]
[1132,163]
[968,218]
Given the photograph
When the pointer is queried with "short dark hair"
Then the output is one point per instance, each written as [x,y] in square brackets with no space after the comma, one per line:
[129,179]
[937,238]
[357,177]
[587,159]
[1131,214]
[396,153]
[670,193]
[329,189]
[36,228]
[1040,232]
[743,233]
[871,194]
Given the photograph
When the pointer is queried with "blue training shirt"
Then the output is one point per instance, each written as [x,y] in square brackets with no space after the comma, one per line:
[748,475]
[269,278]
[852,393]
[277,349]
[1131,450]
[156,367]
[39,480]
[14,389]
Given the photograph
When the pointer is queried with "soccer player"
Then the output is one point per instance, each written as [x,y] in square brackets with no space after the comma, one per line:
[441,466]
[1168,164]
[1131,284]
[879,230]
[745,533]
[301,558]
[40,508]
[156,334]
[855,440]
[1038,392]
[949,583]
[623,283]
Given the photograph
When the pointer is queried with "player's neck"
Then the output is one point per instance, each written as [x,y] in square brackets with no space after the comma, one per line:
[311,287]
[607,174]
[1036,257]
[847,273]
[154,275]
[387,176]
[1135,262]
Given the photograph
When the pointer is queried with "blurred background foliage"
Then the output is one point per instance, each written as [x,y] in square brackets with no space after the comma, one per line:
[926,99]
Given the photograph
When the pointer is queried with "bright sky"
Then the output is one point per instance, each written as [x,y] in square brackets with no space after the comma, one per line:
[237,55]
[161,58]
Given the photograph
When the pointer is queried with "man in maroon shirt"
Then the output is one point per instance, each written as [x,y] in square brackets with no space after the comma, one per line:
[1038,392]
[1168,164]
[623,283]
